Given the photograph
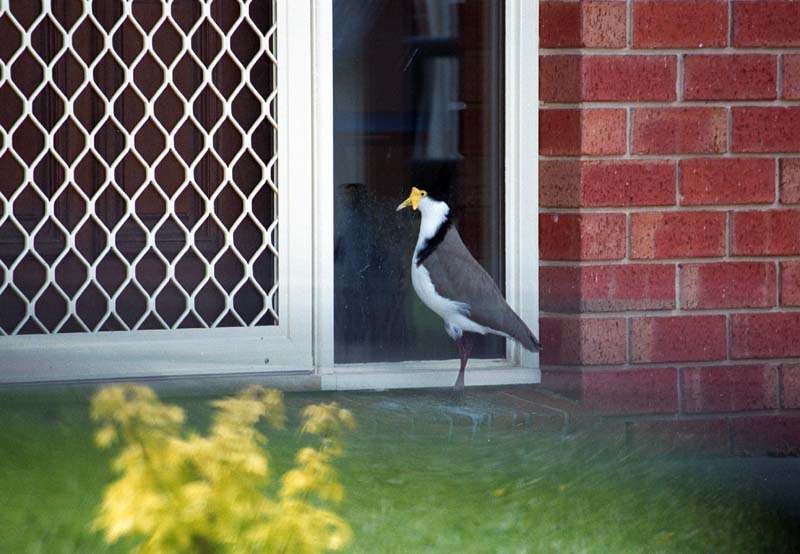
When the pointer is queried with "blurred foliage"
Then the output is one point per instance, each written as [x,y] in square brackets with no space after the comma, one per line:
[184,493]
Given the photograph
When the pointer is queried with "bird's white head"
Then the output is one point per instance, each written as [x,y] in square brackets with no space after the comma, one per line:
[434,211]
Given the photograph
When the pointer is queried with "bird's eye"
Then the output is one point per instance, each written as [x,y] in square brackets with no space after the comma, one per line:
[424,193]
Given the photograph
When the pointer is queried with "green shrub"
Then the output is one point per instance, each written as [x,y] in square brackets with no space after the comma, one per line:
[184,493]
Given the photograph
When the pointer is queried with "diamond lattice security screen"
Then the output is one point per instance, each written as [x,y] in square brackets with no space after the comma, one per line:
[138,165]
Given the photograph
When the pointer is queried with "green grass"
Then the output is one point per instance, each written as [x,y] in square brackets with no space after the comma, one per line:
[509,492]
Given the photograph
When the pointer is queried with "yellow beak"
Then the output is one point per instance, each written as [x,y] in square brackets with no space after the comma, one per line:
[412,200]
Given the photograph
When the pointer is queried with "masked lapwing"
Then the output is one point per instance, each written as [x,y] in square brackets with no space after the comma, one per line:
[454,285]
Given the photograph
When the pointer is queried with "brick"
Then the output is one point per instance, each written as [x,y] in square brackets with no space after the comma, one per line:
[790,180]
[581,236]
[790,283]
[730,77]
[709,181]
[679,130]
[767,434]
[564,381]
[791,76]
[790,386]
[577,78]
[766,23]
[765,335]
[684,437]
[735,388]
[766,129]
[575,184]
[727,285]
[572,132]
[590,24]
[583,341]
[678,339]
[660,235]
[604,24]
[680,23]
[560,78]
[766,233]
[606,288]
[635,391]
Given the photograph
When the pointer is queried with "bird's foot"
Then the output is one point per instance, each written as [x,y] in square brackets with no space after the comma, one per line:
[457,394]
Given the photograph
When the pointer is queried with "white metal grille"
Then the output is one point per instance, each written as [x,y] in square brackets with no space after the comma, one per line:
[138,165]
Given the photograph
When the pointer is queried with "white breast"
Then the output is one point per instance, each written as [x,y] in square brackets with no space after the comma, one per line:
[455,314]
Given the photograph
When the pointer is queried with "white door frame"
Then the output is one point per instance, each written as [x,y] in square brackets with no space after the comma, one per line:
[521,215]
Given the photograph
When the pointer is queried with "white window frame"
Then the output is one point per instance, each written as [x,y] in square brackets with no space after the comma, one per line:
[521,215]
[301,344]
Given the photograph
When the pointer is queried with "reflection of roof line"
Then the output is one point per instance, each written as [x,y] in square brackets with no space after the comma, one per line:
[387,122]
[377,122]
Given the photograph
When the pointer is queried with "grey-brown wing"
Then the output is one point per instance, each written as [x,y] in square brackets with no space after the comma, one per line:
[458,276]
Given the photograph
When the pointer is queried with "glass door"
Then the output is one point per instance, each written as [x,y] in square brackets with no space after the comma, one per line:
[418,97]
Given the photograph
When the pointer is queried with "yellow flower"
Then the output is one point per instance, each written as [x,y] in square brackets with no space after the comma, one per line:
[327,419]
[183,494]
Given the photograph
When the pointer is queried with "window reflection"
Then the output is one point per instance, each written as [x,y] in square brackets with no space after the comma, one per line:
[417,98]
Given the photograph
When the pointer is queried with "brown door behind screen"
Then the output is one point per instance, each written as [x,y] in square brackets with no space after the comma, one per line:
[138,164]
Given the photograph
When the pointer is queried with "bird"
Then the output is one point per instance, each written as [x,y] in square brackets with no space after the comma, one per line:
[449,281]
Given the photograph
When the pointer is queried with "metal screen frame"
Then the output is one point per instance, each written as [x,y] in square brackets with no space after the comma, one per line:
[281,348]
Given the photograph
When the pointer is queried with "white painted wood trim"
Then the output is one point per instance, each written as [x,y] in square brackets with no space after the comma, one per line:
[428,374]
[296,191]
[521,113]
[323,184]
[522,169]
[147,354]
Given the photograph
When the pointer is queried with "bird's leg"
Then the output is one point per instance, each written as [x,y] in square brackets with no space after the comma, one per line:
[464,345]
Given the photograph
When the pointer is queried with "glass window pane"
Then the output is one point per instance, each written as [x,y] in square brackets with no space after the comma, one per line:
[417,99]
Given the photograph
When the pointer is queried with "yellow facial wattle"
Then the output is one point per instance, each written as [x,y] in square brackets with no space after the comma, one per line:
[413,199]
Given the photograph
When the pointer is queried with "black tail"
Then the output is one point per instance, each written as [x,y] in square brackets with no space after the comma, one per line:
[523,335]
[536,344]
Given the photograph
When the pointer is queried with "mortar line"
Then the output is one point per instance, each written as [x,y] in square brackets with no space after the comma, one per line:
[729,131]
[667,261]
[721,208]
[730,24]
[622,104]
[629,25]
[728,234]
[672,312]
[728,337]
[629,133]
[668,156]
[746,362]
[705,51]
[628,340]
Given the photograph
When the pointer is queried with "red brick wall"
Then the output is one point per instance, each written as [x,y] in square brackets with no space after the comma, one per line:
[670,211]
